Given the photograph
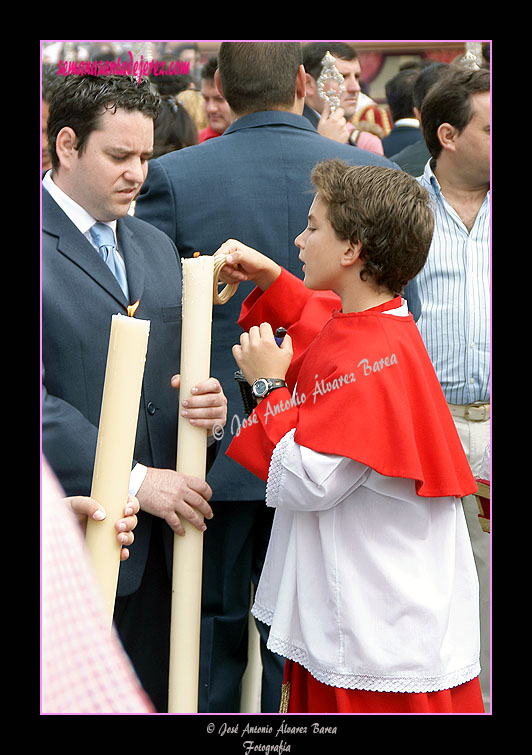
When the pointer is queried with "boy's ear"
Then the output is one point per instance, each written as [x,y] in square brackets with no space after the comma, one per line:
[351,253]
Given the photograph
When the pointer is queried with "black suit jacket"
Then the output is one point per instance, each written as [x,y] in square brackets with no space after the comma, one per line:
[79,297]
[413,158]
[399,138]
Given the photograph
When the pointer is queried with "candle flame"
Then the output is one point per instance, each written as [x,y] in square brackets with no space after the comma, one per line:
[132,308]
[196,254]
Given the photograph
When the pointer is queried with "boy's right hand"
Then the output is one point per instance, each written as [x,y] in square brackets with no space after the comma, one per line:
[244,263]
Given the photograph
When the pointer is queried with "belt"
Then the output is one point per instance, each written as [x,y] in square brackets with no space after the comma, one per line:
[478,411]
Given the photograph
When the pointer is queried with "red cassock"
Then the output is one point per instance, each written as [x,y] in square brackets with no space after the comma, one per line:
[307,695]
[361,386]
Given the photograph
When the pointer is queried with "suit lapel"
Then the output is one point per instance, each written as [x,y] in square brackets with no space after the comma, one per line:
[73,245]
[134,259]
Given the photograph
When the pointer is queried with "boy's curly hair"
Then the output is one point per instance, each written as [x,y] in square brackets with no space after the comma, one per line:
[386,210]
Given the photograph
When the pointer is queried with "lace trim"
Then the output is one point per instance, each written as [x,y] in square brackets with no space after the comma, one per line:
[262,614]
[276,472]
[366,682]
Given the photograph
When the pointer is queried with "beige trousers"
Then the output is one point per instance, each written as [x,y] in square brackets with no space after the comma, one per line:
[475,436]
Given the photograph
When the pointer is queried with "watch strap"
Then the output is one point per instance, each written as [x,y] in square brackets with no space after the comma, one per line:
[275,383]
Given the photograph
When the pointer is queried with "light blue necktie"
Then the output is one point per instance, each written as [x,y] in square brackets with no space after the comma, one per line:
[105,239]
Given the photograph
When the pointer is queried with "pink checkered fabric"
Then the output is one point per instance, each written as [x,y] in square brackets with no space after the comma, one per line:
[84,667]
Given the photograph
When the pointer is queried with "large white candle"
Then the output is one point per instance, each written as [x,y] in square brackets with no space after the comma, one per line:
[126,357]
[191,460]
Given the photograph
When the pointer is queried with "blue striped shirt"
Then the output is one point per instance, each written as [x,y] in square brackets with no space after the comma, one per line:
[454,288]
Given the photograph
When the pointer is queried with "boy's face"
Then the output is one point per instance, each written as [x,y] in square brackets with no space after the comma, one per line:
[321,250]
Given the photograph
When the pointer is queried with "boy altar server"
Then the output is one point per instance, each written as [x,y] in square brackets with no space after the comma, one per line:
[369,584]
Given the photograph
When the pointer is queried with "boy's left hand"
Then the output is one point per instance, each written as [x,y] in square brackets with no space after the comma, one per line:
[258,355]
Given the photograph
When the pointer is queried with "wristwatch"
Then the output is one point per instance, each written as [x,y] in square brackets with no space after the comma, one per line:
[264,386]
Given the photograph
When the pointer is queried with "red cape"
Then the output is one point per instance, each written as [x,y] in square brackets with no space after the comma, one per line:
[366,390]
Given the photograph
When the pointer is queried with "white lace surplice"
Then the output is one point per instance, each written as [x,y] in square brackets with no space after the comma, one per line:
[365,584]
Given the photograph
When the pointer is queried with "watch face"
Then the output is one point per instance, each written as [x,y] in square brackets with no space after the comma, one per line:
[260,387]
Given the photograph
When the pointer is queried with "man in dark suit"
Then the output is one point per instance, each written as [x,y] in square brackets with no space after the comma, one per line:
[252,184]
[413,158]
[406,130]
[101,136]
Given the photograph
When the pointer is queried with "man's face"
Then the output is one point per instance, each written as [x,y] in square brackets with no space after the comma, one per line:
[216,108]
[472,145]
[350,70]
[108,174]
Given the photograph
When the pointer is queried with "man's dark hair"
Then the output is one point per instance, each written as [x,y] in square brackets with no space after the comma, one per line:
[209,69]
[313,54]
[259,75]
[399,91]
[449,101]
[50,79]
[426,78]
[80,101]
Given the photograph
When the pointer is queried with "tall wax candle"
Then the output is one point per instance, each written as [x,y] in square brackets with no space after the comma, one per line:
[191,460]
[126,357]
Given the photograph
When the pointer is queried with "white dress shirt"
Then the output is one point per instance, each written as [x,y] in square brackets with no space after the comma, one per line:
[78,215]
[454,289]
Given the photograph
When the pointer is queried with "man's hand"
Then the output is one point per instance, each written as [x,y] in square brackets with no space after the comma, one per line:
[206,407]
[333,126]
[171,496]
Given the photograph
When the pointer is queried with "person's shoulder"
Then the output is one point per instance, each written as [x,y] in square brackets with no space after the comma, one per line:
[358,156]
[142,230]
[174,165]
[347,152]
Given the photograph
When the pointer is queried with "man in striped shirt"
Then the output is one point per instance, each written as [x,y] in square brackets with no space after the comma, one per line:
[454,285]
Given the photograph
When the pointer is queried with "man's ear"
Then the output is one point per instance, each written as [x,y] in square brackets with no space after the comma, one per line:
[310,85]
[447,135]
[218,83]
[301,82]
[65,145]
